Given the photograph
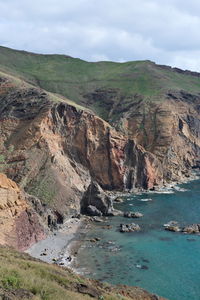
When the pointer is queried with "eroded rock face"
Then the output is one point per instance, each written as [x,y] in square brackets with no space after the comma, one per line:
[95,201]
[19,224]
[170,130]
[58,149]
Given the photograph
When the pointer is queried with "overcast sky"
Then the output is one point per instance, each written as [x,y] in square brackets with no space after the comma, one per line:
[165,31]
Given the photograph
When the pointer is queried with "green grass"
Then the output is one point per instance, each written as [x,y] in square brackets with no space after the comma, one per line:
[74,78]
[49,282]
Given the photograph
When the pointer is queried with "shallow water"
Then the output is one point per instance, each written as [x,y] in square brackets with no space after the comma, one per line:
[162,262]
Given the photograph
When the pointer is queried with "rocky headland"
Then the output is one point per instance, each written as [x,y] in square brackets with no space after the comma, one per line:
[61,158]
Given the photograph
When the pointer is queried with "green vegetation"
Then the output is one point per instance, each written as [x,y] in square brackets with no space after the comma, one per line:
[44,189]
[75,78]
[4,157]
[20,274]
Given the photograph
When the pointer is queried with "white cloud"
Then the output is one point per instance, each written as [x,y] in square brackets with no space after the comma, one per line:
[165,31]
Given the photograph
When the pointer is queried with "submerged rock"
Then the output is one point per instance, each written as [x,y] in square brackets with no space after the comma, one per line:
[129,227]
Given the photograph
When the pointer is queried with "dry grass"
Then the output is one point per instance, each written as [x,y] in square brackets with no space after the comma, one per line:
[18,271]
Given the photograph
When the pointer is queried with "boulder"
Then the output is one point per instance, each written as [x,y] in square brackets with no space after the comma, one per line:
[190,229]
[119,200]
[93,211]
[129,227]
[115,212]
[133,215]
[95,201]
[194,228]
[173,228]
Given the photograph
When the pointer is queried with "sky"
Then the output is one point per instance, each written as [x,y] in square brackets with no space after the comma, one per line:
[164,31]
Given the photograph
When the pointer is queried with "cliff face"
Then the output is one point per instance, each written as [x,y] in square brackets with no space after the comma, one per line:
[169,130]
[19,224]
[57,149]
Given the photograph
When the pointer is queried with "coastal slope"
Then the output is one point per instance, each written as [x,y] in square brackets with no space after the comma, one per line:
[155,106]
[54,149]
[23,277]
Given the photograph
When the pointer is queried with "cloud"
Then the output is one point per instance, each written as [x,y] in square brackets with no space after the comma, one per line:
[163,31]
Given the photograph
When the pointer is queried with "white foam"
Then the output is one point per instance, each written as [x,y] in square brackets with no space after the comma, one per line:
[146,200]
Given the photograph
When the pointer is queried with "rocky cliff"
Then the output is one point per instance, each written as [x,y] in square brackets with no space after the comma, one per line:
[19,225]
[170,130]
[54,150]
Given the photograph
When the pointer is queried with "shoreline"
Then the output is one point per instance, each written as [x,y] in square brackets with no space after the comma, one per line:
[162,189]
[61,246]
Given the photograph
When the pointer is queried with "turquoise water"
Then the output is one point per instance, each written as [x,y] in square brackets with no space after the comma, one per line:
[170,261]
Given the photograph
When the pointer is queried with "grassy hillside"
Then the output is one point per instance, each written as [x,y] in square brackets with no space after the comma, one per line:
[22,277]
[78,80]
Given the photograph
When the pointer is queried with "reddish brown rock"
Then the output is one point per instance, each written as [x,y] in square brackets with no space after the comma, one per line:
[19,225]
[60,148]
[168,129]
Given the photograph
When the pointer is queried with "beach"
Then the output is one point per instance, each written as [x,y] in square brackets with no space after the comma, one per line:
[60,246]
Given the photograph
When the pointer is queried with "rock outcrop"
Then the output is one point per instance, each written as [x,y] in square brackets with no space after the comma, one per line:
[129,227]
[168,129]
[57,149]
[95,201]
[19,225]
[189,229]
[136,214]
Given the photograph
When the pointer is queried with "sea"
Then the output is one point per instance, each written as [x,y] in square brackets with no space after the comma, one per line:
[162,262]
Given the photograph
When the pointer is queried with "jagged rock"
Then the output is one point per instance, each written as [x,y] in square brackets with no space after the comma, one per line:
[174,228]
[133,215]
[115,212]
[95,201]
[194,228]
[14,294]
[119,200]
[93,211]
[58,149]
[76,216]
[50,217]
[190,229]
[96,219]
[21,225]
[129,227]
[88,290]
